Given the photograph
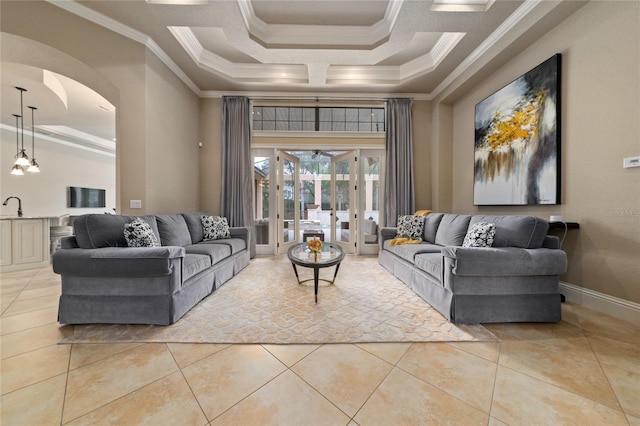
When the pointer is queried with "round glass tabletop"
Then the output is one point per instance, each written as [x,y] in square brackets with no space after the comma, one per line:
[329,255]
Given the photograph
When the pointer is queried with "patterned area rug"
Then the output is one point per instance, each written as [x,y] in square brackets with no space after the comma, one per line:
[265,304]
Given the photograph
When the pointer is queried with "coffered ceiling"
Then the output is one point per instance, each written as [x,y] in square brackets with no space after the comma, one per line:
[320,46]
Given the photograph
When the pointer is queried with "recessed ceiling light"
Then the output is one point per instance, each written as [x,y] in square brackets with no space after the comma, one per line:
[461,5]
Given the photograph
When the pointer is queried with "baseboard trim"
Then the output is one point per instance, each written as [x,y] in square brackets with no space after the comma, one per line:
[610,305]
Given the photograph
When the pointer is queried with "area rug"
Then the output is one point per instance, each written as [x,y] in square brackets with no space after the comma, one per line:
[265,304]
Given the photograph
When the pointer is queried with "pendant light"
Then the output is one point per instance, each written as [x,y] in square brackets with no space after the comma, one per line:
[22,159]
[17,170]
[34,167]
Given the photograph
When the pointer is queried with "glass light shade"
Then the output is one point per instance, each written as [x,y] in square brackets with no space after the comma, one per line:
[22,159]
[34,167]
[17,170]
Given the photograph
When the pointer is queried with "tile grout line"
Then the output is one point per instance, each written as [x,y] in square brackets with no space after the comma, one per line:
[394,366]
[195,397]
[121,396]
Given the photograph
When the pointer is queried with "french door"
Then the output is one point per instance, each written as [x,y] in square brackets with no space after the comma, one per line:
[343,201]
[333,195]
[335,220]
[288,229]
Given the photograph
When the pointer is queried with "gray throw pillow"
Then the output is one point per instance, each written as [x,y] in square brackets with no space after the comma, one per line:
[410,226]
[215,228]
[480,234]
[139,234]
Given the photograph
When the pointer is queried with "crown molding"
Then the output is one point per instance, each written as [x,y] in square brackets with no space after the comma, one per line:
[498,35]
[331,96]
[90,143]
[126,31]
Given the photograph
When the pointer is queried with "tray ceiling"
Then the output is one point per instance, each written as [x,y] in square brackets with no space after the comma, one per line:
[347,46]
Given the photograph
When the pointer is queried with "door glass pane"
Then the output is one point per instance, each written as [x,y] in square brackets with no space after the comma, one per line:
[261,199]
[372,199]
[342,209]
[288,195]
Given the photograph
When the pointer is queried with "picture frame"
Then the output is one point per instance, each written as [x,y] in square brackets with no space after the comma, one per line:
[517,140]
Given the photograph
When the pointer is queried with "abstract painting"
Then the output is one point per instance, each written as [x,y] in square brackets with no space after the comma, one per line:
[517,141]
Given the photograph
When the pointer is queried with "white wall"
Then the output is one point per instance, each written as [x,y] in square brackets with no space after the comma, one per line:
[61,166]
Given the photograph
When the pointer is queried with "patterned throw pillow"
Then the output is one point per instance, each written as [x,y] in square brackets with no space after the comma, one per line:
[139,234]
[410,227]
[215,228]
[480,234]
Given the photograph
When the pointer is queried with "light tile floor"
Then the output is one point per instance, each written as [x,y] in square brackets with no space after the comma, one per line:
[584,370]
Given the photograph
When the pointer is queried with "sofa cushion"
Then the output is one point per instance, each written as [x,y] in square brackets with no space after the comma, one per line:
[411,227]
[194,264]
[173,230]
[409,251]
[452,229]
[215,227]
[431,223]
[235,244]
[480,234]
[216,252]
[516,231]
[194,223]
[106,230]
[431,263]
[138,233]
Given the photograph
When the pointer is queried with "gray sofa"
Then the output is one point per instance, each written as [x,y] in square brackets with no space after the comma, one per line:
[105,281]
[514,280]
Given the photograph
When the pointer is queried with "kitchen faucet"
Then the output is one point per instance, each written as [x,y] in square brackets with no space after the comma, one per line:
[19,204]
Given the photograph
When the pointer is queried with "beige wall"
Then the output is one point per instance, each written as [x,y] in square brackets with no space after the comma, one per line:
[211,154]
[421,121]
[600,109]
[149,95]
[172,119]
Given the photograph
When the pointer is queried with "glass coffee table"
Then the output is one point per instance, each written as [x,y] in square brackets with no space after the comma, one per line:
[329,255]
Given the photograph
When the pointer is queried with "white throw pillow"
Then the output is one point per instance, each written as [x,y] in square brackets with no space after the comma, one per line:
[215,228]
[480,234]
[139,234]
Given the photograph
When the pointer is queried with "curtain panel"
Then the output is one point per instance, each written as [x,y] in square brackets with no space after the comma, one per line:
[399,185]
[236,202]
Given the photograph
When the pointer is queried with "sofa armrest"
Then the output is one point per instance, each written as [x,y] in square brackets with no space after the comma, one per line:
[387,233]
[69,242]
[551,242]
[504,261]
[118,261]
[240,232]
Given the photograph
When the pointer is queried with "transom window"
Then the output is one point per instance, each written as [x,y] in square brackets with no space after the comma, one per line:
[314,119]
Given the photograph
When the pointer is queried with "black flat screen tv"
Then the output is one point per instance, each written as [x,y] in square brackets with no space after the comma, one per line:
[86,197]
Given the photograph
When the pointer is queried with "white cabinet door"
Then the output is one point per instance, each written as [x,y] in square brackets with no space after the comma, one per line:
[5,242]
[28,241]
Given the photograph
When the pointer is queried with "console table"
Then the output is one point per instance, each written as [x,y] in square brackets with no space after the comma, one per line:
[561,225]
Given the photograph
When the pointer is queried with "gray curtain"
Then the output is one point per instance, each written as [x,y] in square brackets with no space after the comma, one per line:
[236,202]
[399,187]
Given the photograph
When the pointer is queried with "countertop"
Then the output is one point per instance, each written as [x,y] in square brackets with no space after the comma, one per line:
[15,217]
